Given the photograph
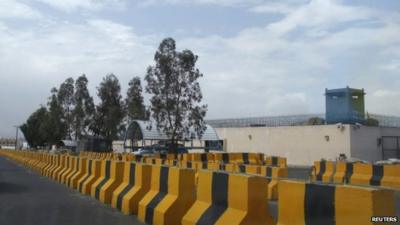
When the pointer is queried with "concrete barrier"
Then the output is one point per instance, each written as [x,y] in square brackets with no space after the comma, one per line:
[276,161]
[116,176]
[274,174]
[128,181]
[81,172]
[86,175]
[308,203]
[391,176]
[343,172]
[74,172]
[104,177]
[324,171]
[229,199]
[158,190]
[128,200]
[248,169]
[95,175]
[362,174]
[186,164]
[228,167]
[60,167]
[172,201]
[48,165]
[225,158]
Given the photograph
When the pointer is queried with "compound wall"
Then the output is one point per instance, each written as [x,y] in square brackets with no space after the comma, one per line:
[302,145]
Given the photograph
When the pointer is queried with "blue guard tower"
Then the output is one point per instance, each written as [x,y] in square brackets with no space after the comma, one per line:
[345,105]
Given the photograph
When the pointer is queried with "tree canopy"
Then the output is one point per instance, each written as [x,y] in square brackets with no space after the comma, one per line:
[175,103]
[176,94]
[84,109]
[34,128]
[135,108]
[110,111]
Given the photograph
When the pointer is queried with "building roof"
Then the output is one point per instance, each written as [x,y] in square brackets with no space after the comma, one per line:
[342,90]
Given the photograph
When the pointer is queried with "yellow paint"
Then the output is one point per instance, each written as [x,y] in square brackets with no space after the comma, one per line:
[203,199]
[143,177]
[356,206]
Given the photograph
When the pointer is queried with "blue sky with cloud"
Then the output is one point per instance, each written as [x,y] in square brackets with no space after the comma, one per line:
[259,57]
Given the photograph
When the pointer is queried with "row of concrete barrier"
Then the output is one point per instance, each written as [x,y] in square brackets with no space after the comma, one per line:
[160,194]
[169,195]
[225,158]
[357,173]
[274,174]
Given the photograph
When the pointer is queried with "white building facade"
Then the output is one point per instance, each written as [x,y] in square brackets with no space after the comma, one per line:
[302,145]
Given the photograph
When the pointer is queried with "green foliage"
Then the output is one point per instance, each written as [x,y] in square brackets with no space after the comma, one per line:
[84,110]
[34,129]
[135,108]
[66,100]
[55,127]
[173,84]
[316,121]
[110,111]
[372,122]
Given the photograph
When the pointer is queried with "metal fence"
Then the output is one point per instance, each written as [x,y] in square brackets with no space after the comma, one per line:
[292,120]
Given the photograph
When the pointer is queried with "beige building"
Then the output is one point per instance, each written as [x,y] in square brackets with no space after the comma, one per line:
[302,145]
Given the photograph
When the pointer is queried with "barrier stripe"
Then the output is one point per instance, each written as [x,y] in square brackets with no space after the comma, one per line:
[322,169]
[222,167]
[203,157]
[269,171]
[377,175]
[274,161]
[321,211]
[160,195]
[189,164]
[348,173]
[97,193]
[245,158]
[225,157]
[204,165]
[219,198]
[87,176]
[76,169]
[132,172]
[242,168]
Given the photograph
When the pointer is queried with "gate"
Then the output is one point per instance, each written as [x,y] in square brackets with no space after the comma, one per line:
[390,147]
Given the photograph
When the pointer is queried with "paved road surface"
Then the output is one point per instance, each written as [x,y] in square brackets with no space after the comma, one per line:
[29,199]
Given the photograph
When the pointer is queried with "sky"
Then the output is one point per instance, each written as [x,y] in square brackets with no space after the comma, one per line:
[258,57]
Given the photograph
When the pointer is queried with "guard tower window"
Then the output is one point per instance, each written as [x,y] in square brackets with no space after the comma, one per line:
[355,96]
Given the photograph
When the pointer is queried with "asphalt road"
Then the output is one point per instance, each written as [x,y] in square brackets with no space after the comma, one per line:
[27,198]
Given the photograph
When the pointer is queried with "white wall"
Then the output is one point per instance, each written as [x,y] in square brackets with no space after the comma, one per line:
[364,141]
[302,145]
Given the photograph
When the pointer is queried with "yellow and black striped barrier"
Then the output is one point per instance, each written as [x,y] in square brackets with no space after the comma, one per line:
[324,171]
[310,203]
[105,175]
[116,175]
[170,196]
[226,199]
[81,172]
[276,161]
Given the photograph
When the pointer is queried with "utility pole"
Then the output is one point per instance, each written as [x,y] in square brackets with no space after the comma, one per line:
[16,137]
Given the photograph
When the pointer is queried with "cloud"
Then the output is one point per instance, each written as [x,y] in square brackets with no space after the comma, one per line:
[14,9]
[51,54]
[226,3]
[72,5]
[281,67]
